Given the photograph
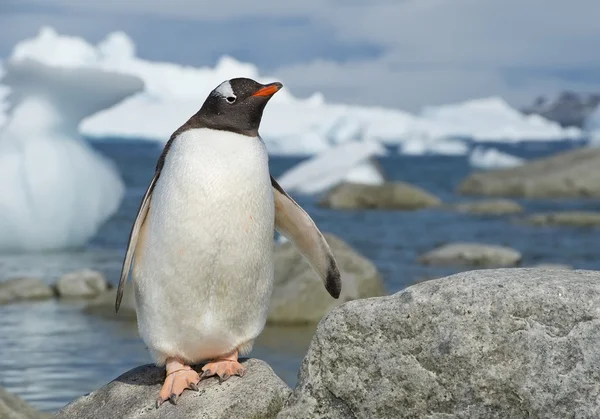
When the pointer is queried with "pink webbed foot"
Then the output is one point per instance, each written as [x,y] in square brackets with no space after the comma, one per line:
[224,367]
[179,377]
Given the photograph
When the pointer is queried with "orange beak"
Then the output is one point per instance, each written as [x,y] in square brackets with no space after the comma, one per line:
[268,90]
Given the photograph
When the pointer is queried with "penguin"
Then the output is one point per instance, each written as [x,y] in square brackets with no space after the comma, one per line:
[200,250]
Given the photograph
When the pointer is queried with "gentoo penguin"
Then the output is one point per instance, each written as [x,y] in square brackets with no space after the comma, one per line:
[203,240]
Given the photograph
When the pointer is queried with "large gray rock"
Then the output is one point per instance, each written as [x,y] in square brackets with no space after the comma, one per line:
[508,343]
[572,174]
[258,394]
[489,207]
[12,407]
[25,288]
[473,254]
[300,297]
[566,218]
[81,284]
[390,195]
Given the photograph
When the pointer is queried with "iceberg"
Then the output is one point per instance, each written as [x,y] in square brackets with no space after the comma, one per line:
[492,158]
[422,145]
[58,190]
[291,125]
[350,161]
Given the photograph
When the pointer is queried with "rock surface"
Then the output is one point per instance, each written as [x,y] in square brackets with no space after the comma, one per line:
[571,174]
[258,394]
[566,218]
[12,407]
[507,343]
[81,284]
[390,195]
[300,297]
[473,254]
[104,304]
[489,207]
[554,266]
[25,288]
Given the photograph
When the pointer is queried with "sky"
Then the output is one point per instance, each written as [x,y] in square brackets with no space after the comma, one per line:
[395,53]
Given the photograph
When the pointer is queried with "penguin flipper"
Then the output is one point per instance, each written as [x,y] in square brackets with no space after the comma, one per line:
[133,238]
[297,226]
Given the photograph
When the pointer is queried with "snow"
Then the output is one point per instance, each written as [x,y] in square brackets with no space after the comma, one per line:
[57,191]
[492,158]
[291,125]
[350,161]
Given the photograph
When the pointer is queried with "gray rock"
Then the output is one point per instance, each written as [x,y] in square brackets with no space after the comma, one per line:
[258,394]
[12,407]
[571,174]
[300,297]
[507,343]
[568,108]
[489,207]
[81,284]
[25,288]
[473,254]
[390,195]
[104,304]
[566,218]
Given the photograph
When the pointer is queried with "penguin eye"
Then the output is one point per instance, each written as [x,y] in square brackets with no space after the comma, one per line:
[230,99]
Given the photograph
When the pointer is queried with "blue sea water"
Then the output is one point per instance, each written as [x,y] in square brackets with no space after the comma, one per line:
[53,353]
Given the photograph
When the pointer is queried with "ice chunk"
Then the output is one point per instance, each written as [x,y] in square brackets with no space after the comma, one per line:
[492,158]
[58,190]
[350,161]
[422,144]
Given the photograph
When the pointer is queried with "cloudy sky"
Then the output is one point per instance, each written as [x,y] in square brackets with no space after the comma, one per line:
[401,53]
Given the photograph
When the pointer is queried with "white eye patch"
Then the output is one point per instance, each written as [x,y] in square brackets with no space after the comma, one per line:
[225,90]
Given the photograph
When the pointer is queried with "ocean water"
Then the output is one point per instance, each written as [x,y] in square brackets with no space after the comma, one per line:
[53,353]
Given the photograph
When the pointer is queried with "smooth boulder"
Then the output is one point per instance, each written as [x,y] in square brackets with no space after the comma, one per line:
[299,297]
[566,218]
[24,288]
[506,343]
[81,284]
[471,254]
[571,174]
[390,195]
[489,207]
[258,394]
[13,407]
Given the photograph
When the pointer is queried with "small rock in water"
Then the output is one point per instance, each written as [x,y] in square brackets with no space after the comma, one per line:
[566,218]
[81,284]
[25,288]
[473,254]
[489,206]
[104,304]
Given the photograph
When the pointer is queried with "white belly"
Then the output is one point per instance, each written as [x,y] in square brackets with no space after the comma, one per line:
[203,269]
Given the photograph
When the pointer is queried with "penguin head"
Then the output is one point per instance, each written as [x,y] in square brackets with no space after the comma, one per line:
[237,105]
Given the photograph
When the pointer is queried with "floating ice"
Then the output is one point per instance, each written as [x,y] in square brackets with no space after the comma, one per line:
[422,145]
[492,158]
[57,190]
[290,125]
[350,161]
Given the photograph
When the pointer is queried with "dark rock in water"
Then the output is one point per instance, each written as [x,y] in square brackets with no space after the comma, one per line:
[569,109]
[572,174]
[26,288]
[473,254]
[566,218]
[489,207]
[81,284]
[258,394]
[300,297]
[506,343]
[390,195]
[12,407]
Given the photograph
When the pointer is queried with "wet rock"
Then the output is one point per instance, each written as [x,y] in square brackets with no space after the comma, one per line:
[566,218]
[25,288]
[104,304]
[506,343]
[473,254]
[81,284]
[390,195]
[258,394]
[300,297]
[12,407]
[571,174]
[489,207]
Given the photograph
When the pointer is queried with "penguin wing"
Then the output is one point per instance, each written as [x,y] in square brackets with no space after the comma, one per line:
[133,238]
[297,226]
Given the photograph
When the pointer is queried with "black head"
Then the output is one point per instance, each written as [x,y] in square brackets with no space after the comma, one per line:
[236,105]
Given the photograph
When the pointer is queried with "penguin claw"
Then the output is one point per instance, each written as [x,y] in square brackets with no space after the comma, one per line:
[173,398]
[193,386]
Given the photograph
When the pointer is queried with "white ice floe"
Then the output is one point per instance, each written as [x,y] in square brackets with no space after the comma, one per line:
[350,161]
[290,125]
[57,190]
[492,158]
[423,145]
